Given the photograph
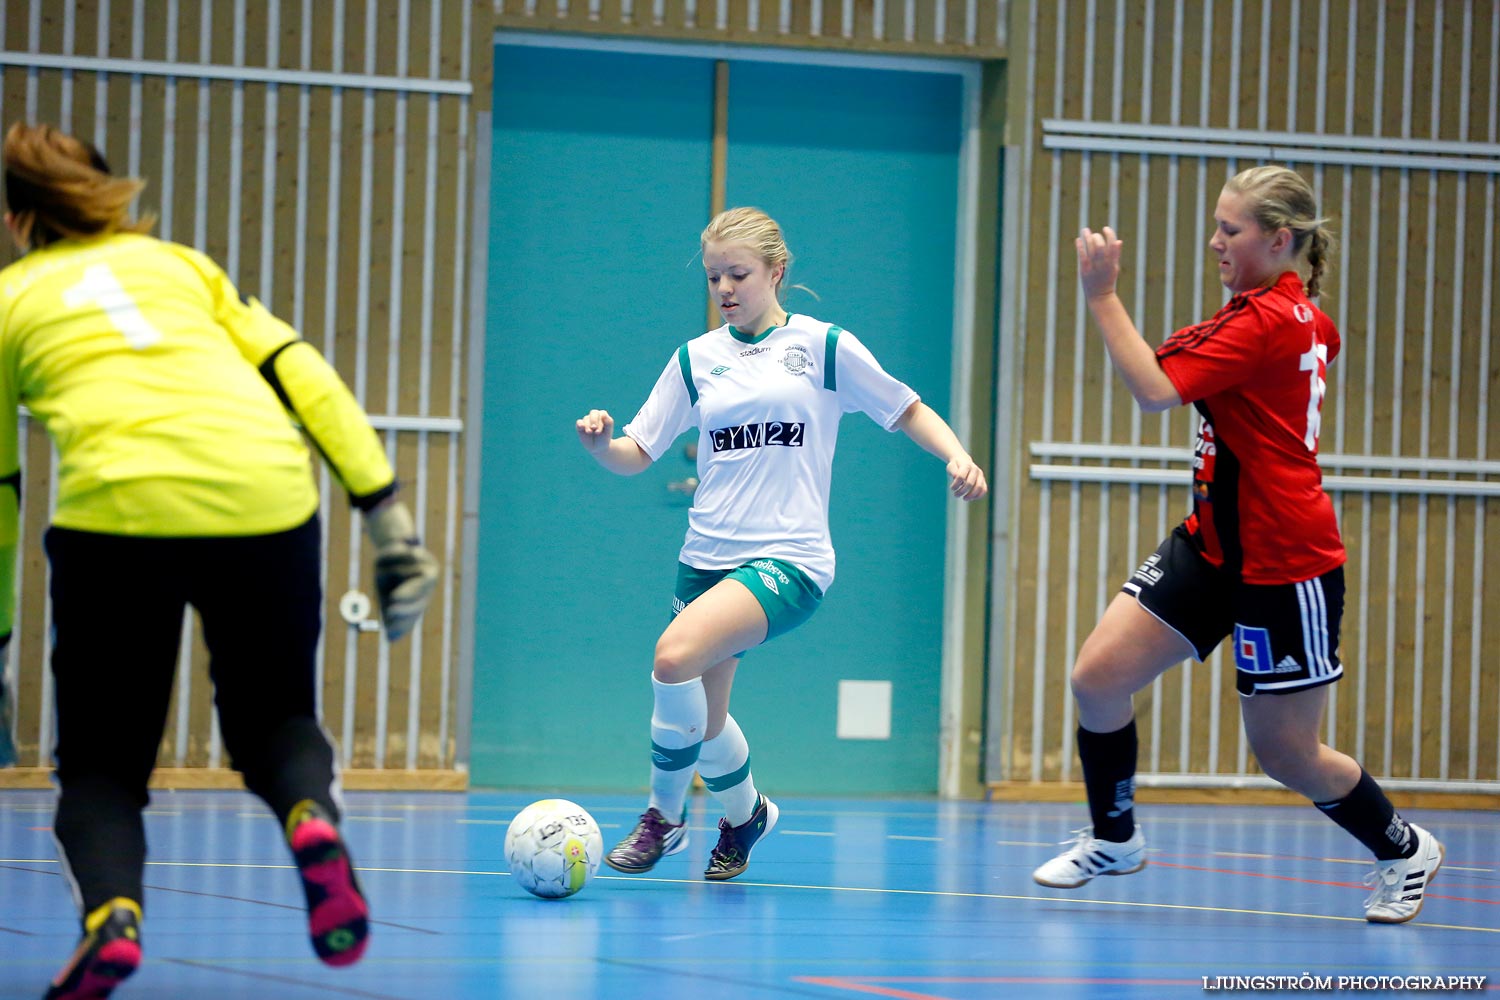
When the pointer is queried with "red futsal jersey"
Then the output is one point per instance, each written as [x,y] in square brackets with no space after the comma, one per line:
[1256,373]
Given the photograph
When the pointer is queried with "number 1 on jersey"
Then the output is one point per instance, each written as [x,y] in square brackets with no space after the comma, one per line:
[1314,362]
[100,287]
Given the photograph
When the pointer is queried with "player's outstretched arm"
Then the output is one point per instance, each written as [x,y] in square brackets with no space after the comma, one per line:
[620,455]
[1133,358]
[922,424]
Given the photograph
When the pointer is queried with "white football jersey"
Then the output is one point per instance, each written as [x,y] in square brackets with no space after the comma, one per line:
[767,410]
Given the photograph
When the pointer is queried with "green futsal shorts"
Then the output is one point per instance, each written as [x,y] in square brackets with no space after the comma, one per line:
[786,594]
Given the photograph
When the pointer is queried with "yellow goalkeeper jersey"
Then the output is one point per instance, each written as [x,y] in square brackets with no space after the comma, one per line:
[169,397]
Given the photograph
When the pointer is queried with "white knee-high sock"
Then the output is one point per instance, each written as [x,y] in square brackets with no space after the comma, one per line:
[678,719]
[724,763]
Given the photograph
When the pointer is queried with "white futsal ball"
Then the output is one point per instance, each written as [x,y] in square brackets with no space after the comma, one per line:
[553,847]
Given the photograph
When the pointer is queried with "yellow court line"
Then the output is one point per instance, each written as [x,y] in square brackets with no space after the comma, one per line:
[937,893]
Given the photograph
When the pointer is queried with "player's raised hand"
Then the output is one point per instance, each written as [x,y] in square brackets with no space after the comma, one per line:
[595,430]
[1098,261]
[966,480]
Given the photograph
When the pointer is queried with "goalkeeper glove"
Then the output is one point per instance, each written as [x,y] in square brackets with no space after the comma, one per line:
[405,573]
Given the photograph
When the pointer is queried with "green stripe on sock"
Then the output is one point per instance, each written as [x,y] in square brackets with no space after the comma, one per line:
[674,760]
[729,780]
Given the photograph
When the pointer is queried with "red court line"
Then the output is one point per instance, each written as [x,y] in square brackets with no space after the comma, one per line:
[869,984]
[1309,881]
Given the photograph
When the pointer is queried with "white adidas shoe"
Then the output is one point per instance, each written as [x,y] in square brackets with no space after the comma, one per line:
[1088,856]
[1400,885]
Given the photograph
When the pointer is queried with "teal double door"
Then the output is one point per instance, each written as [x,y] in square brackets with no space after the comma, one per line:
[600,186]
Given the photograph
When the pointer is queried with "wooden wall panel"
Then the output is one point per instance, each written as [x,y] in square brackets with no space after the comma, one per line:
[345,205]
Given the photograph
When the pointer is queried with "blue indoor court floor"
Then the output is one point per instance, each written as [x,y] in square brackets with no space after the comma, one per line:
[913,899]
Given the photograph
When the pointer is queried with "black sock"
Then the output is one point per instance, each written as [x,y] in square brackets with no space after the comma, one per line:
[1109,778]
[1371,818]
[103,839]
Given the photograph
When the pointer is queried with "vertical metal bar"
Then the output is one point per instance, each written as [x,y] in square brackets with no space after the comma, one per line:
[200,175]
[846,19]
[137,51]
[330,330]
[200,240]
[1262,102]
[70,35]
[429,245]
[1372,294]
[940,21]
[909,23]
[1455,365]
[413,650]
[362,346]
[236,146]
[476,273]
[815,27]
[169,130]
[784,21]
[44,712]
[429,249]
[1294,23]
[101,79]
[1425,416]
[1398,352]
[971,22]
[167,187]
[877,18]
[1075,421]
[1237,32]
[268,157]
[1049,372]
[1487,287]
[1340,380]
[1215,720]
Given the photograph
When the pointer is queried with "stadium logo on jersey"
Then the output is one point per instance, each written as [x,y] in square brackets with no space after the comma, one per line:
[766,435]
[1303,312]
[796,359]
[752,352]
[719,370]
[1252,649]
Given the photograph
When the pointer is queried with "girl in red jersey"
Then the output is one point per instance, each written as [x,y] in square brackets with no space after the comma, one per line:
[1259,556]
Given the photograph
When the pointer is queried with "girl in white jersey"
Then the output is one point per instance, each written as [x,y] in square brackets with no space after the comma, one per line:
[765,392]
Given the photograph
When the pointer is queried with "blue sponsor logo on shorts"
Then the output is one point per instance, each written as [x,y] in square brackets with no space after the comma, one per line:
[1252,650]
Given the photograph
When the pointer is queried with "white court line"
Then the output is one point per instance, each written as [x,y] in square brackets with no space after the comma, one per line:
[1071,900]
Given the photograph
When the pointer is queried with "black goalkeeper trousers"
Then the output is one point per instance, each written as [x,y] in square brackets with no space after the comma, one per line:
[117,611]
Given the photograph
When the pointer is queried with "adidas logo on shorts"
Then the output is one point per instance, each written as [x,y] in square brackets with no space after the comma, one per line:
[1287,666]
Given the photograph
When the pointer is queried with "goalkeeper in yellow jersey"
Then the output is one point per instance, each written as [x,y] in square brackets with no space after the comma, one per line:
[182,480]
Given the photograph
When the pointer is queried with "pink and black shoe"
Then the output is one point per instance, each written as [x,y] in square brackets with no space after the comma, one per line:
[338,918]
[109,952]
